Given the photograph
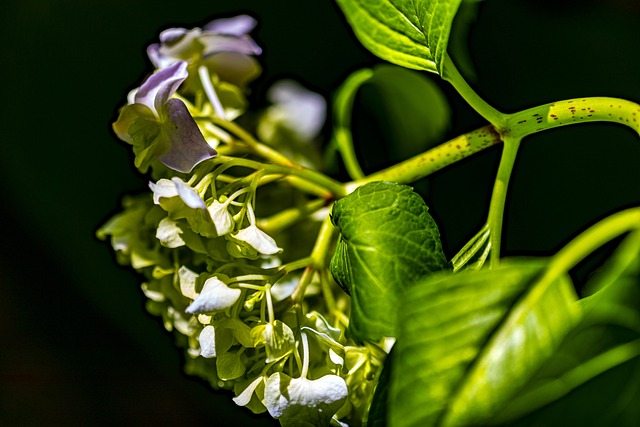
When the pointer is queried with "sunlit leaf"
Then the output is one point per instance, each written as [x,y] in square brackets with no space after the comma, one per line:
[469,342]
[229,365]
[607,337]
[409,33]
[388,241]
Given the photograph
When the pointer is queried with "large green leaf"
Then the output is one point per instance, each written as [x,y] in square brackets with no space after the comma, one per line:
[607,337]
[387,242]
[468,342]
[410,33]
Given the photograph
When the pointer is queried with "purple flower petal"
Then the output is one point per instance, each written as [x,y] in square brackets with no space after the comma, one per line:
[172,35]
[214,43]
[158,59]
[236,26]
[161,85]
[186,147]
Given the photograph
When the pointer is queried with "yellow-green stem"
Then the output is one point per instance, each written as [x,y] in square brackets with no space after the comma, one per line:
[433,160]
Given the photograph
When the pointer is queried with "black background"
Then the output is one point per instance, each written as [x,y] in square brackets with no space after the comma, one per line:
[76,345]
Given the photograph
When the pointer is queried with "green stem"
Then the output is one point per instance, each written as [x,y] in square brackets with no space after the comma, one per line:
[323,241]
[433,160]
[499,196]
[342,106]
[319,256]
[296,265]
[256,146]
[322,182]
[288,217]
[572,111]
[453,76]
[472,247]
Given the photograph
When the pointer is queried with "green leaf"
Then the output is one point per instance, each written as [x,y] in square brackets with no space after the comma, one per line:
[607,337]
[470,341]
[387,242]
[391,134]
[618,281]
[229,365]
[409,33]
[138,126]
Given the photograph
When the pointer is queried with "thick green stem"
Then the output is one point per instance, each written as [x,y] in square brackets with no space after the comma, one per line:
[572,111]
[499,196]
[453,76]
[433,160]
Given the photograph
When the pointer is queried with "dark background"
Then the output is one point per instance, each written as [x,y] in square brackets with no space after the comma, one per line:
[76,345]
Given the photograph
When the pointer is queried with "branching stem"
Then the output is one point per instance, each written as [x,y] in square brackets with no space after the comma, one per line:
[499,196]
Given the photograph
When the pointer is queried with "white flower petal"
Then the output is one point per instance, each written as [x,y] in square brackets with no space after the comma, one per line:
[152,294]
[215,296]
[169,233]
[188,194]
[301,110]
[282,289]
[299,398]
[258,240]
[244,398]
[221,218]
[204,319]
[163,188]
[335,357]
[207,340]
[187,279]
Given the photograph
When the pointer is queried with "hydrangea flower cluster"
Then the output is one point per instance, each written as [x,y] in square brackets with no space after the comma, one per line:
[233,237]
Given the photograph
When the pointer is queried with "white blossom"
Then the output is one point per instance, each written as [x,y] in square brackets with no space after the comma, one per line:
[215,296]
[207,340]
[302,111]
[176,187]
[169,233]
[258,240]
[221,217]
[300,399]
[244,398]
[187,279]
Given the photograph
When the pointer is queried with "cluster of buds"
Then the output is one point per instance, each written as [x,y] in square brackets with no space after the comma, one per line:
[234,238]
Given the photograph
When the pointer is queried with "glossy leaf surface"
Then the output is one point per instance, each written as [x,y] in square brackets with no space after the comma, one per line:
[469,342]
[409,33]
[387,242]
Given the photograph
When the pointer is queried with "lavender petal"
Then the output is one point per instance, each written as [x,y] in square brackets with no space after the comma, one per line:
[161,85]
[186,147]
[214,43]
[236,26]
